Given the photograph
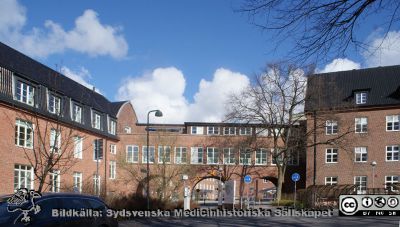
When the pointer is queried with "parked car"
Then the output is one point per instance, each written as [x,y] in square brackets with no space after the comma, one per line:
[46,210]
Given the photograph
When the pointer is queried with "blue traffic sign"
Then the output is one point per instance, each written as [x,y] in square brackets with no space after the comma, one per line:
[295,177]
[247,179]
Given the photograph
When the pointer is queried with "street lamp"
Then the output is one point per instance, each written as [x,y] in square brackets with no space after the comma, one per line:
[158,113]
[373,164]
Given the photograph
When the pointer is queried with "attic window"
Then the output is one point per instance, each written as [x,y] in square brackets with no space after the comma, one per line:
[361,97]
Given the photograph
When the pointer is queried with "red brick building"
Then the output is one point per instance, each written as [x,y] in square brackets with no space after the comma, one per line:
[72,138]
[363,106]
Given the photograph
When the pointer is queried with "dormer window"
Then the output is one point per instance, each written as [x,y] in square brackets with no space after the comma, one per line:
[76,112]
[361,97]
[24,93]
[54,104]
[112,127]
[96,120]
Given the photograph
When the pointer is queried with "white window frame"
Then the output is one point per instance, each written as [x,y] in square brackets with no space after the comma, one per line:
[331,180]
[264,153]
[361,97]
[127,130]
[247,155]
[134,158]
[53,103]
[214,151]
[29,99]
[22,127]
[152,154]
[331,153]
[229,131]
[77,176]
[228,153]
[113,169]
[262,132]
[391,180]
[393,152]
[195,158]
[96,121]
[113,148]
[55,145]
[361,121]
[76,112]
[162,150]
[393,120]
[78,147]
[112,127]
[55,179]
[361,182]
[180,155]
[360,153]
[213,130]
[23,181]
[245,131]
[193,130]
[331,127]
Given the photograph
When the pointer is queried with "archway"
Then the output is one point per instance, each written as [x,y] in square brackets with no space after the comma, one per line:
[194,191]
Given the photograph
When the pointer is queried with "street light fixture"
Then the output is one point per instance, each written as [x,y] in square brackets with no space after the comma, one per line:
[158,113]
[373,164]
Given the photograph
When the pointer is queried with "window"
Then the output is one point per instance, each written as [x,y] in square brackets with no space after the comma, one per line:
[112,127]
[261,156]
[78,144]
[229,156]
[230,131]
[212,155]
[55,181]
[96,184]
[245,157]
[196,155]
[23,177]
[392,123]
[151,154]
[245,131]
[113,149]
[392,153]
[361,97]
[164,154]
[132,154]
[76,111]
[54,104]
[361,183]
[389,180]
[77,181]
[275,156]
[361,154]
[194,130]
[213,130]
[293,158]
[180,155]
[361,125]
[25,93]
[113,169]
[128,130]
[96,121]
[23,134]
[331,155]
[98,149]
[330,180]
[331,127]
[55,140]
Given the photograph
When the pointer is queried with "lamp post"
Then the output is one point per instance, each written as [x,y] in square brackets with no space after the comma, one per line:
[373,164]
[158,113]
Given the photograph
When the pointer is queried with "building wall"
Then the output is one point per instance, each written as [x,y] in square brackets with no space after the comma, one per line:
[376,140]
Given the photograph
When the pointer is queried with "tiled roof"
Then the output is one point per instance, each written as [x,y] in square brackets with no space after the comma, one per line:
[41,74]
[336,90]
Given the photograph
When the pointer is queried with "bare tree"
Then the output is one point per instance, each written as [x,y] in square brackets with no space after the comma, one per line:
[276,101]
[320,28]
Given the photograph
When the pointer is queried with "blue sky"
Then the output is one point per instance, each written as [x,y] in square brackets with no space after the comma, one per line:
[201,50]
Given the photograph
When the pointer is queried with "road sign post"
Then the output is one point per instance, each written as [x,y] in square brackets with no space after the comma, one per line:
[295,178]
[247,180]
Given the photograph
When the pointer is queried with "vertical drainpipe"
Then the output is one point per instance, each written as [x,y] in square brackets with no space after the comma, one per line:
[105,166]
[315,146]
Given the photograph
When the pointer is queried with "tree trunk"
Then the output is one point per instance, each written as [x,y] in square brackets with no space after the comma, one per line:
[281,178]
